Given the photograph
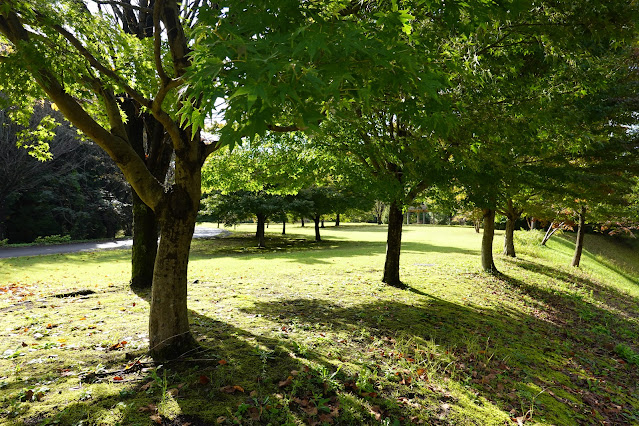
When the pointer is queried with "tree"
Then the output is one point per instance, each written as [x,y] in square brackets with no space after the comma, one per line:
[82,62]
[77,192]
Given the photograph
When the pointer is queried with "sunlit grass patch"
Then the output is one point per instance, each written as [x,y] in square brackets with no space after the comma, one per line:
[303,332]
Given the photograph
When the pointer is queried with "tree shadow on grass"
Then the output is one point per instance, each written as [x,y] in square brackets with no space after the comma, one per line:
[600,292]
[503,354]
[308,252]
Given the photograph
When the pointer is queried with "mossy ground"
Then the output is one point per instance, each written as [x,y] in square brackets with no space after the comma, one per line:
[305,333]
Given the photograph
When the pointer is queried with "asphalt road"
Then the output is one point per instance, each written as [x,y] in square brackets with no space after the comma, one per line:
[200,232]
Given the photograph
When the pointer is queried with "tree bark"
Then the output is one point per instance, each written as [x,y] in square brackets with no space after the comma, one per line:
[261,220]
[487,261]
[393,245]
[284,226]
[512,214]
[509,238]
[337,220]
[145,244]
[579,245]
[323,223]
[169,335]
[302,219]
[316,219]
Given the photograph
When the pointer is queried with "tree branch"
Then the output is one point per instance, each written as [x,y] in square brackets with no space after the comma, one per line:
[100,67]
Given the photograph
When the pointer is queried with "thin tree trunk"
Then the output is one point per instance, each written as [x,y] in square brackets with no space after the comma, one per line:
[302,222]
[261,219]
[487,261]
[551,231]
[477,224]
[323,223]
[284,226]
[580,237]
[145,244]
[393,245]
[316,219]
[337,220]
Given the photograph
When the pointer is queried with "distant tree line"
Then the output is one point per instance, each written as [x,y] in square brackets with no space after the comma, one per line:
[79,192]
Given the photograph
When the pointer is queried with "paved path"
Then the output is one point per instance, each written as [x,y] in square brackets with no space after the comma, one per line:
[200,232]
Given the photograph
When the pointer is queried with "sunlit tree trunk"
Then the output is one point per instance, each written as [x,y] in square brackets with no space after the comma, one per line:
[169,335]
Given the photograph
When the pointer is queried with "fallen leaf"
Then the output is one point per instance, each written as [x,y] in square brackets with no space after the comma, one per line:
[311,411]
[231,389]
[117,378]
[151,408]
[286,382]
[377,412]
[254,413]
[156,418]
[221,419]
[146,386]
[204,380]
[173,392]
[222,362]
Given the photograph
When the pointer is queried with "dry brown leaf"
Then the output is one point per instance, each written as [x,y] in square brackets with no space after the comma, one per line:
[311,410]
[151,408]
[286,382]
[156,418]
[173,392]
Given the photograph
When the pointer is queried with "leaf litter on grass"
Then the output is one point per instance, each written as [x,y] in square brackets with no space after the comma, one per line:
[535,345]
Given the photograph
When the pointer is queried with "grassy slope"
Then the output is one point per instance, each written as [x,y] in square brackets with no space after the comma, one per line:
[305,332]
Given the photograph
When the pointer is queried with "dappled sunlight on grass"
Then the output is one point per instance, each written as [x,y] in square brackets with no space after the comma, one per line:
[306,332]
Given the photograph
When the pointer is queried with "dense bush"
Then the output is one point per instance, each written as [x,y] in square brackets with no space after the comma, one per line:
[79,192]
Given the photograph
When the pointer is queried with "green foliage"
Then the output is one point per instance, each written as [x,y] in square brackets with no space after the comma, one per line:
[53,239]
[627,353]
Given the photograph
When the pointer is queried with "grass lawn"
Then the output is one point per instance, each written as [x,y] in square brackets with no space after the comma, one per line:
[305,333]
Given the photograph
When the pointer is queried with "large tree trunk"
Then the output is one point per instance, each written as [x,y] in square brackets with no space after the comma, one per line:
[169,335]
[261,220]
[579,245]
[393,245]
[316,219]
[487,261]
[145,244]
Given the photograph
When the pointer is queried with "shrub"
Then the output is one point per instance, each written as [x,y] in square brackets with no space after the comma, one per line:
[53,239]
